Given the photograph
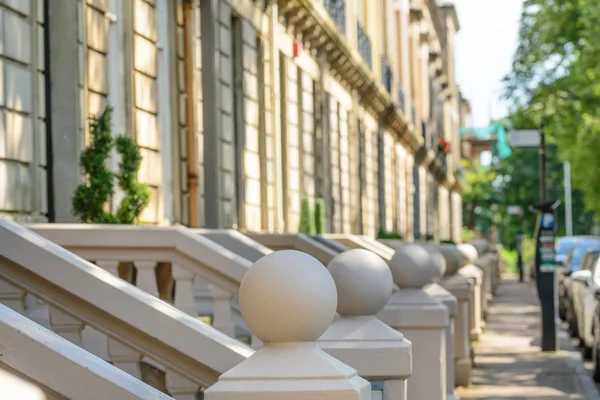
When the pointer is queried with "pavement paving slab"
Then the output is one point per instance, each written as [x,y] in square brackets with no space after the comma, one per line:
[509,362]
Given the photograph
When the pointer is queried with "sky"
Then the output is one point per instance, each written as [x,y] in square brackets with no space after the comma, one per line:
[485,46]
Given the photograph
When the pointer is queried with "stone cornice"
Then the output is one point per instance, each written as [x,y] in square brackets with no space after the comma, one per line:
[309,21]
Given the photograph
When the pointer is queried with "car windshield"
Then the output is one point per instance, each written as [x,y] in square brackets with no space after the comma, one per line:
[579,250]
[563,245]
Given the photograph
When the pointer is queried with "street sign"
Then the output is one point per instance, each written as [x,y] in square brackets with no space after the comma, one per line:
[514,210]
[525,138]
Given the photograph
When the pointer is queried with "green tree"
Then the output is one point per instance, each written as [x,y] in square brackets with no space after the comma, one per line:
[555,82]
[90,200]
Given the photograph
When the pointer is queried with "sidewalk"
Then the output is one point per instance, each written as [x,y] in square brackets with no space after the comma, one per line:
[509,362]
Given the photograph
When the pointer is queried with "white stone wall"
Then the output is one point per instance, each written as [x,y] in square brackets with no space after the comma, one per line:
[23,178]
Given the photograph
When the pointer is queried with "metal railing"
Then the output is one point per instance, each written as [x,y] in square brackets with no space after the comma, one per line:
[364,45]
[337,12]
[386,74]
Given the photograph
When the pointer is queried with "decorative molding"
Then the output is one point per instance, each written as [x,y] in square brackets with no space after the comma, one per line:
[319,33]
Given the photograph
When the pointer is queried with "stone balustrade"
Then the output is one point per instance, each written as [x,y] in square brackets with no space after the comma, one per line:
[379,353]
[475,275]
[462,289]
[446,298]
[131,325]
[295,241]
[180,266]
[421,319]
[438,306]
[289,365]
[37,364]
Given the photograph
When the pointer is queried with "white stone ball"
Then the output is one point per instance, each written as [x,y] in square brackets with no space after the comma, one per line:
[454,258]
[288,296]
[438,260]
[411,267]
[364,282]
[469,253]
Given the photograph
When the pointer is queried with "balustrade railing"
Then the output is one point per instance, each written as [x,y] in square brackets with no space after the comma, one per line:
[337,12]
[364,45]
[175,264]
[90,306]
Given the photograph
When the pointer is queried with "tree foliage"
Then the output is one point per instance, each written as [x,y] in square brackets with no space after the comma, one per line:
[90,202]
[555,81]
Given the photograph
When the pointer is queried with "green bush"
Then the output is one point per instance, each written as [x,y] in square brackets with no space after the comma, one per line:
[447,241]
[307,222]
[320,216]
[90,198]
[383,234]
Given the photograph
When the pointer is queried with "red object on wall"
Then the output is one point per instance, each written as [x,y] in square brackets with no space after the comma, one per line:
[296,48]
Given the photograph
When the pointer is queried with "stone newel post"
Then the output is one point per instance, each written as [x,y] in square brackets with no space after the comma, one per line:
[438,292]
[288,300]
[462,289]
[421,318]
[474,274]
[379,353]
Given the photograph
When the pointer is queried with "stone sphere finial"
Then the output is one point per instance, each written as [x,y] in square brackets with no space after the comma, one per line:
[288,296]
[469,253]
[438,260]
[454,258]
[412,267]
[364,282]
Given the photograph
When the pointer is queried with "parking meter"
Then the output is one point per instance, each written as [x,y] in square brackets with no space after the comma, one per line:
[545,272]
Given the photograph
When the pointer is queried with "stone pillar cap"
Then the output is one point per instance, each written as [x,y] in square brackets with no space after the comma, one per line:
[412,267]
[364,283]
[469,253]
[453,257]
[288,299]
[438,292]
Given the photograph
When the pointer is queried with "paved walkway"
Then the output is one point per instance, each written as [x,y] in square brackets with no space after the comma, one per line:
[509,362]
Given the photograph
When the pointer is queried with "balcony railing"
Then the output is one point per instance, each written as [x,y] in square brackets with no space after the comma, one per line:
[386,74]
[364,45]
[337,12]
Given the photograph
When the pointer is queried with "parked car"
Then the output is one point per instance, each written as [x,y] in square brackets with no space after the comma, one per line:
[575,254]
[583,288]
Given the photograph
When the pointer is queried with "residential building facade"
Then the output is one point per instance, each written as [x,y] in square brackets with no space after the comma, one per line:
[241,108]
